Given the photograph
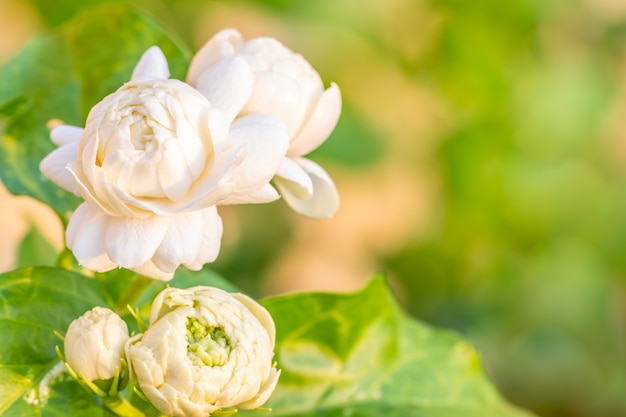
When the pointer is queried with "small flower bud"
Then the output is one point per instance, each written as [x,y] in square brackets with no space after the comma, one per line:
[94,344]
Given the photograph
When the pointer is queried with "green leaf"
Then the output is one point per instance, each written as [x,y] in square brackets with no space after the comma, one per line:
[35,249]
[34,302]
[361,355]
[61,76]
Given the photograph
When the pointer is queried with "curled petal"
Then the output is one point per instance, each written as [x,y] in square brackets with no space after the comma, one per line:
[262,315]
[264,141]
[224,44]
[55,166]
[227,85]
[265,194]
[85,237]
[264,393]
[64,134]
[152,64]
[319,125]
[324,200]
[149,269]
[293,178]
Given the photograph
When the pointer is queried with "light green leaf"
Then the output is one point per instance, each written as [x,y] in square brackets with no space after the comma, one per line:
[361,355]
[35,249]
[61,76]
[34,302]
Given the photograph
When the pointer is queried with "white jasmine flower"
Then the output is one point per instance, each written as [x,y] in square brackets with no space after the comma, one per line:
[154,160]
[94,344]
[281,83]
[205,350]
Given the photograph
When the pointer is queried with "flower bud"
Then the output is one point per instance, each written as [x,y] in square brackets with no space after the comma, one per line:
[94,344]
[205,350]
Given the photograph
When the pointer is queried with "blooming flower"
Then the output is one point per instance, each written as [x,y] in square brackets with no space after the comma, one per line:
[205,350]
[282,83]
[94,344]
[154,160]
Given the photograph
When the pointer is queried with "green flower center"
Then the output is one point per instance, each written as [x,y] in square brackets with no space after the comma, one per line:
[208,346]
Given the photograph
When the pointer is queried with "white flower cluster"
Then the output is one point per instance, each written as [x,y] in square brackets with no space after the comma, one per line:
[205,350]
[158,156]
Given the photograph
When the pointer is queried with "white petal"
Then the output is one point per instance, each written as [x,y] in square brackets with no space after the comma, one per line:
[152,64]
[280,95]
[85,237]
[212,229]
[325,199]
[224,44]
[132,242]
[292,177]
[227,85]
[264,141]
[319,125]
[216,184]
[55,166]
[265,194]
[64,134]
[174,176]
[149,269]
[260,313]
[181,243]
[264,393]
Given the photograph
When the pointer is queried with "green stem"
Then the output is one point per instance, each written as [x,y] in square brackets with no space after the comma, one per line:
[121,407]
[136,288]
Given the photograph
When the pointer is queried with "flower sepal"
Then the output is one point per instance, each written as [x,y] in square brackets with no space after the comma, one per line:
[101,387]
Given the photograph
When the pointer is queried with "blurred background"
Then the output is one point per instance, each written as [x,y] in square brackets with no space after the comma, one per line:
[481,162]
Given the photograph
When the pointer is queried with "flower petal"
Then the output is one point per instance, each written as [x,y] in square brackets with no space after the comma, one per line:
[64,134]
[212,229]
[264,141]
[181,243]
[280,95]
[174,176]
[265,194]
[292,177]
[54,166]
[85,237]
[260,313]
[224,44]
[132,242]
[264,393]
[152,64]
[227,84]
[320,123]
[324,200]
[149,269]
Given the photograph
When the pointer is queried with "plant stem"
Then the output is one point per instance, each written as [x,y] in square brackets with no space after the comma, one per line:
[135,289]
[121,407]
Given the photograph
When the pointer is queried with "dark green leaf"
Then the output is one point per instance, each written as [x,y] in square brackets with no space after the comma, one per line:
[361,355]
[34,302]
[61,76]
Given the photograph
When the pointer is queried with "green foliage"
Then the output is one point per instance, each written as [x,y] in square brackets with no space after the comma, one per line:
[61,76]
[35,302]
[35,250]
[361,355]
[357,354]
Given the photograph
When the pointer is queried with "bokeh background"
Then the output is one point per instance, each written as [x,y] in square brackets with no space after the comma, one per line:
[481,161]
